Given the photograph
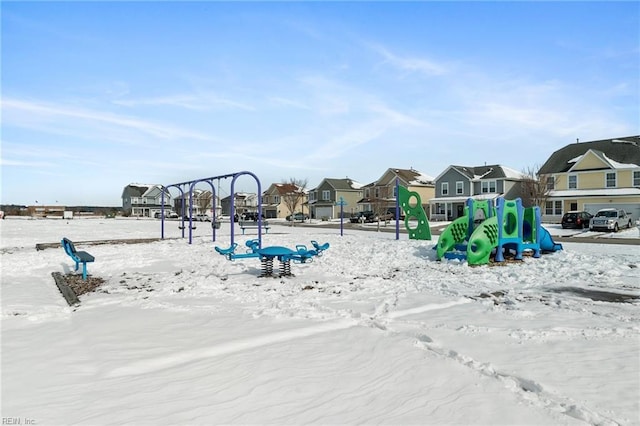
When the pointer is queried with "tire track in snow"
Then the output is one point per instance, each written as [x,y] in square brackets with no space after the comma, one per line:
[145,366]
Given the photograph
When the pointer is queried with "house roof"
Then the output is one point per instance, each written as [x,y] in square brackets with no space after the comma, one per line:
[623,151]
[476,173]
[414,177]
[345,184]
[284,188]
[138,189]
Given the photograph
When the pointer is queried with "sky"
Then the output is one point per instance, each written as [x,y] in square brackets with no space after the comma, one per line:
[373,332]
[98,95]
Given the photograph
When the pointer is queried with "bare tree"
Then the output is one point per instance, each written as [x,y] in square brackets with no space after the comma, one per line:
[293,195]
[536,187]
[204,202]
[383,195]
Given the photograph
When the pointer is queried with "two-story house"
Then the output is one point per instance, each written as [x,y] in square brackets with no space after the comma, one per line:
[380,195]
[593,175]
[324,199]
[203,203]
[243,202]
[144,200]
[280,198]
[458,183]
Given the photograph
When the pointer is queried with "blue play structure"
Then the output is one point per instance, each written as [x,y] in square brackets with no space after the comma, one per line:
[268,254]
[485,230]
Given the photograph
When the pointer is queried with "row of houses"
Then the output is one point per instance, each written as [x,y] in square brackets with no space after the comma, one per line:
[580,176]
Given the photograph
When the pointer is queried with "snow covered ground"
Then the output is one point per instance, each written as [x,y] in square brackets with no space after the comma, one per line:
[374,331]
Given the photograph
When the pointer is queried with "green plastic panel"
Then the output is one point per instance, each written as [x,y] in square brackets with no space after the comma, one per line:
[411,205]
[453,234]
[483,240]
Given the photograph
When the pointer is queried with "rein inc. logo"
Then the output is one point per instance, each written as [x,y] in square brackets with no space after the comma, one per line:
[18,421]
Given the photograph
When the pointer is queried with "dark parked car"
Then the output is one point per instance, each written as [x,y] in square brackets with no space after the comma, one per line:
[576,219]
[301,217]
[367,217]
[251,216]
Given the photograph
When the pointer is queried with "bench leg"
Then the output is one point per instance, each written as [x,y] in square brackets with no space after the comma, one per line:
[77,265]
[84,271]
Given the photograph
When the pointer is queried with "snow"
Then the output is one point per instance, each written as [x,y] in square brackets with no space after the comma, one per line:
[374,331]
[604,192]
[576,159]
[513,174]
[422,179]
[613,163]
[617,165]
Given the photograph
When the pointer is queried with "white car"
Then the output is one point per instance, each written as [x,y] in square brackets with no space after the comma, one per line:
[610,220]
[202,218]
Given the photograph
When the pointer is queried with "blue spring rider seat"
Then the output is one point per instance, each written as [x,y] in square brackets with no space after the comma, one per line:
[267,255]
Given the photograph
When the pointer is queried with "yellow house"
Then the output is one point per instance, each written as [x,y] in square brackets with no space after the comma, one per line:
[593,175]
[279,197]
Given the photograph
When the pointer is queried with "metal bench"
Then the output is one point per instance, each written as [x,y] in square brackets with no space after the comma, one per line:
[78,256]
[254,225]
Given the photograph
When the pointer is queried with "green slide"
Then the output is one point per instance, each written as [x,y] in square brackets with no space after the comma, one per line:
[453,234]
[483,240]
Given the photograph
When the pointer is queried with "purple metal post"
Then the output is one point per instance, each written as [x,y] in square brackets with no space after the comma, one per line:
[213,198]
[210,179]
[397,208]
[162,214]
[233,182]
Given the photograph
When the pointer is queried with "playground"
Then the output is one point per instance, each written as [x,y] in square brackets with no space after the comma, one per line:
[552,339]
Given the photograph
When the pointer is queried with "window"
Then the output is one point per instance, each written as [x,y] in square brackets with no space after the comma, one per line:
[459,188]
[276,199]
[610,180]
[377,192]
[636,178]
[573,182]
[553,208]
[367,193]
[488,186]
[444,188]
[551,183]
[574,206]
[312,196]
[326,194]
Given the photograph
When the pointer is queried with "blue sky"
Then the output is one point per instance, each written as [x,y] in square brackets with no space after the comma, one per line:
[99,95]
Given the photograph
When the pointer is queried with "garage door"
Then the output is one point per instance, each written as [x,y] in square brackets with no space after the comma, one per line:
[324,212]
[632,208]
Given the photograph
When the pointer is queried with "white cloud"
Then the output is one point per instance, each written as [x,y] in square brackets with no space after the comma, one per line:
[277,100]
[410,64]
[192,102]
[27,112]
